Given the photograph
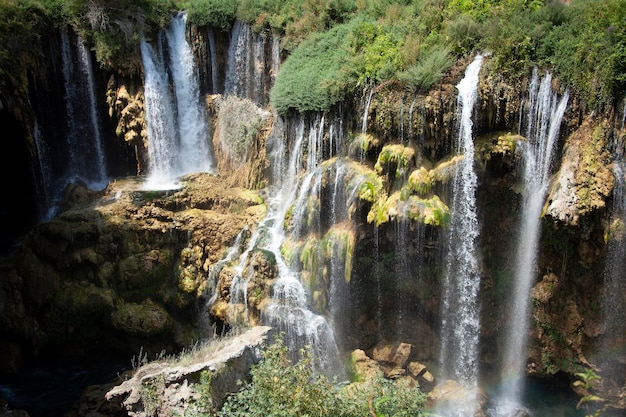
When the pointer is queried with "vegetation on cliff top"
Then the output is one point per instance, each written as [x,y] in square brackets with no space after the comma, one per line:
[337,46]
[414,42]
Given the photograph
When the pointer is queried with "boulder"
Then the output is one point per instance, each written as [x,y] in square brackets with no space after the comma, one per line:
[167,388]
[396,353]
[364,367]
[452,396]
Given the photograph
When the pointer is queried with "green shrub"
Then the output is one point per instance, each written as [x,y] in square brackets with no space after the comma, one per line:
[313,77]
[374,54]
[429,69]
[216,13]
[281,388]
[588,50]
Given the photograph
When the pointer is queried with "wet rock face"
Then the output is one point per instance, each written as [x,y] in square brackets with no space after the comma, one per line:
[118,268]
[585,179]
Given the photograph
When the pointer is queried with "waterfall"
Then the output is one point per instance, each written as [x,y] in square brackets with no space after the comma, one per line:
[545,112]
[249,72]
[160,118]
[42,172]
[194,151]
[213,56]
[177,123]
[288,310]
[610,345]
[366,111]
[85,159]
[460,312]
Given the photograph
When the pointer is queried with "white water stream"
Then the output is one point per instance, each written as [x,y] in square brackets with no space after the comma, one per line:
[460,311]
[177,123]
[85,160]
[545,112]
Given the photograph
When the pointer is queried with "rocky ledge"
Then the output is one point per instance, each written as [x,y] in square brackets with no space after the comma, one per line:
[120,270]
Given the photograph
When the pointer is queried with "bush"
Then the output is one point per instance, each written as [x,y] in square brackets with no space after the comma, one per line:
[429,69]
[588,50]
[313,76]
[374,54]
[280,388]
[216,13]
[21,27]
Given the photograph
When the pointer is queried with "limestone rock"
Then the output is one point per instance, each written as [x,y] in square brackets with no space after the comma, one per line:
[364,367]
[453,395]
[120,266]
[585,179]
[173,384]
[396,353]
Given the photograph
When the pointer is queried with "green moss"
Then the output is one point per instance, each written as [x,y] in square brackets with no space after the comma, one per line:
[498,144]
[396,158]
[431,211]
[420,181]
[593,176]
[145,319]
[338,243]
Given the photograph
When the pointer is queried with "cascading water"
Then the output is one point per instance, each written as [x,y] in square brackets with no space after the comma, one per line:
[545,112]
[194,151]
[177,125]
[85,160]
[460,312]
[366,110]
[610,349]
[159,118]
[248,70]
[42,172]
[288,309]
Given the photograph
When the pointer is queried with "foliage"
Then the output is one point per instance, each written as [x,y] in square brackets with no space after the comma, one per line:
[282,388]
[216,13]
[394,159]
[429,69]
[585,382]
[21,27]
[114,27]
[239,121]
[374,54]
[312,78]
[337,46]
[588,50]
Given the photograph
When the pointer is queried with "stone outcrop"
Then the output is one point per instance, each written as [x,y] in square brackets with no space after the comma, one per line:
[120,267]
[585,179]
[166,388]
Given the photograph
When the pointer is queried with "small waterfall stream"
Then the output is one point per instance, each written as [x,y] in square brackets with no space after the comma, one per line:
[177,125]
[366,110]
[545,112]
[460,311]
[610,349]
[85,160]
